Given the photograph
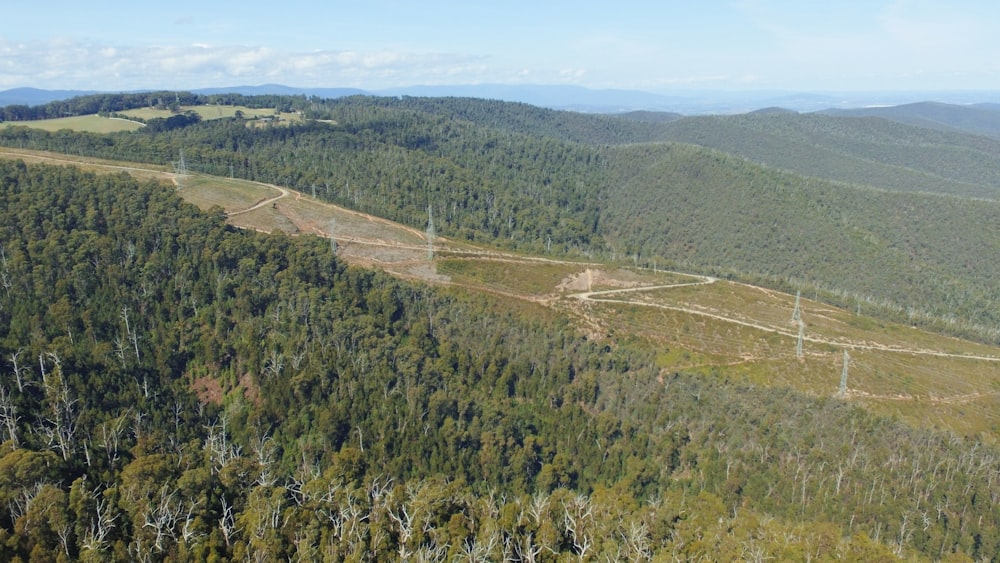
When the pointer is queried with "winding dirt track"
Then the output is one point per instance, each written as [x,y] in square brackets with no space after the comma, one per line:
[597,297]
[284,192]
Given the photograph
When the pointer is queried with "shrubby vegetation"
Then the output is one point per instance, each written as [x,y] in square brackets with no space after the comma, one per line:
[173,388]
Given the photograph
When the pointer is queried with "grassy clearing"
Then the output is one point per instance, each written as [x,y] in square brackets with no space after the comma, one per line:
[265,219]
[893,369]
[98,124]
[212,112]
[507,275]
[90,123]
[232,195]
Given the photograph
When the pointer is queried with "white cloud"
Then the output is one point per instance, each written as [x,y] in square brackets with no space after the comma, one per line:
[63,63]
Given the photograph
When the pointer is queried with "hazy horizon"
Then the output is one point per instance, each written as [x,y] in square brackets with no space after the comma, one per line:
[718,45]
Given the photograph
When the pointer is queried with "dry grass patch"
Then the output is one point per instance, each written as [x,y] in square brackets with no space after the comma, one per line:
[230,194]
[743,333]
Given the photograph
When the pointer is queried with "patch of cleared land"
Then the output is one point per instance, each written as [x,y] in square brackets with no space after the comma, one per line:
[96,165]
[213,112]
[91,123]
[745,333]
[98,124]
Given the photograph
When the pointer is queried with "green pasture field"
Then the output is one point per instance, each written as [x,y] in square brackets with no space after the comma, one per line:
[90,123]
[211,112]
[97,124]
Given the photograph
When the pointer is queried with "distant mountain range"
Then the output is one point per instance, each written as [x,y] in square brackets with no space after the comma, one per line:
[575,98]
[35,96]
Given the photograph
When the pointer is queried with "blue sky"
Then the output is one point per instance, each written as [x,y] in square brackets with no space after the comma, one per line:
[659,46]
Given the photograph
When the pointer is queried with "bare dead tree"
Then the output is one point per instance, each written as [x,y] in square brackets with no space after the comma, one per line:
[162,517]
[19,371]
[227,523]
[101,524]
[131,334]
[578,521]
[263,449]
[60,429]
[8,416]
[5,280]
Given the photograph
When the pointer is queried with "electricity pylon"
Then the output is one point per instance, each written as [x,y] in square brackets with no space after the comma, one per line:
[180,171]
[843,377]
[430,234]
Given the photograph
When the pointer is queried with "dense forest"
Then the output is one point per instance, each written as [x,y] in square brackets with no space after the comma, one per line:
[863,150]
[609,187]
[173,388]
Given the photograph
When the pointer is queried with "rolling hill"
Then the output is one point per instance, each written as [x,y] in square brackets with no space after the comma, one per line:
[614,345]
[982,119]
[862,151]
[686,392]
[542,180]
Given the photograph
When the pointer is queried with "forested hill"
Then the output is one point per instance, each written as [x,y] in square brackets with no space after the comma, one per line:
[922,252]
[865,151]
[175,389]
[920,255]
[982,119]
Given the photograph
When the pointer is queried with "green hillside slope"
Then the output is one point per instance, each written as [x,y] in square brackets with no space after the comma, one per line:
[176,389]
[710,210]
[920,255]
[864,151]
[977,120]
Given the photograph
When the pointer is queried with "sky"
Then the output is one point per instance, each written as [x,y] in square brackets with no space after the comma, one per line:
[656,46]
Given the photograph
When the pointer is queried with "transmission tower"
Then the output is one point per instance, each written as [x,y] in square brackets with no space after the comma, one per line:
[180,171]
[802,334]
[430,233]
[843,377]
[333,241]
[797,313]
